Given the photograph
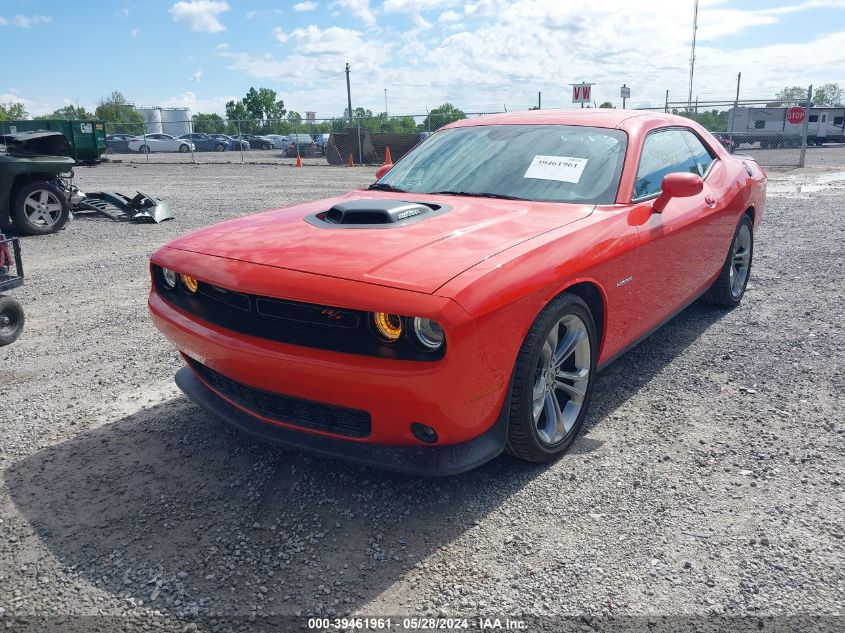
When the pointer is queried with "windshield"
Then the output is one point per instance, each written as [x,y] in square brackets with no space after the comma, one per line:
[546,163]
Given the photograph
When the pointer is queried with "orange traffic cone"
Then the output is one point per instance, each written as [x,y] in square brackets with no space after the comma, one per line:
[350,162]
[388,159]
[298,160]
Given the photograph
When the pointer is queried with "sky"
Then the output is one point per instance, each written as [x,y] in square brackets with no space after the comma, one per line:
[481,55]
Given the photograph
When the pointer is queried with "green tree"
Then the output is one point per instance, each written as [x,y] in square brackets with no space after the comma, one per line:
[119,115]
[607,104]
[238,117]
[262,104]
[829,94]
[441,115]
[69,112]
[794,94]
[13,111]
[294,119]
[208,123]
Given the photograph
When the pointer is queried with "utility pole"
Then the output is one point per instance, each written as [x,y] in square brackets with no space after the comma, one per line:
[348,93]
[804,128]
[385,103]
[692,54]
[539,100]
[666,103]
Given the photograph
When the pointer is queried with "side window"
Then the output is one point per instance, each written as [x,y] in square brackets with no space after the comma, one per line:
[700,153]
[837,120]
[814,118]
[663,153]
[759,124]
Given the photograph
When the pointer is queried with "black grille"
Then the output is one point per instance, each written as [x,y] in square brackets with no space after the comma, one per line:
[275,406]
[305,324]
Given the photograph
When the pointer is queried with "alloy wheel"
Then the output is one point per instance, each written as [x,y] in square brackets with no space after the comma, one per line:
[740,260]
[43,208]
[561,379]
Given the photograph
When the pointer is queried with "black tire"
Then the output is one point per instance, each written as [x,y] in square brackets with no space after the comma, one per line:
[724,291]
[524,439]
[220,147]
[20,215]
[11,320]
[184,149]
[144,149]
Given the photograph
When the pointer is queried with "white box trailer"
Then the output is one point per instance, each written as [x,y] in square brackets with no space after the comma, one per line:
[770,127]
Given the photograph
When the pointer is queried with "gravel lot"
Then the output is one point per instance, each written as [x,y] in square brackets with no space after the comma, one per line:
[708,480]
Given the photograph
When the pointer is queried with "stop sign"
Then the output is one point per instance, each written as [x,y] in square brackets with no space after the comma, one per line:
[795,115]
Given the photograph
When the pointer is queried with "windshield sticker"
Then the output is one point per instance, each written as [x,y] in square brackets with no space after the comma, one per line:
[560,168]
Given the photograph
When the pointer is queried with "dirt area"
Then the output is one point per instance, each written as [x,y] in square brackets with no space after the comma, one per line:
[708,479]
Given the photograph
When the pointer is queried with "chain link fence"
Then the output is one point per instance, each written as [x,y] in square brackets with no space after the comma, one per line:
[201,139]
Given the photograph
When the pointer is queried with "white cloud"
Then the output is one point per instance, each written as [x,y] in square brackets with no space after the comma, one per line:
[24,21]
[122,13]
[495,52]
[360,9]
[201,15]
[415,5]
[196,77]
[309,5]
[250,14]
[135,33]
[222,46]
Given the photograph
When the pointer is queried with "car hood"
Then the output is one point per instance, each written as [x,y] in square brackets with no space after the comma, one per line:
[421,256]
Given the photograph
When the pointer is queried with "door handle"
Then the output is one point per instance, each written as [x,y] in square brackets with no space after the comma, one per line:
[710,200]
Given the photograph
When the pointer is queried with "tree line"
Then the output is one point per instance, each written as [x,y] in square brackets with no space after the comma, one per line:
[260,111]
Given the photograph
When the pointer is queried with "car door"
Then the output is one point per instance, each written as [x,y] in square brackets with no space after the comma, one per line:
[673,262]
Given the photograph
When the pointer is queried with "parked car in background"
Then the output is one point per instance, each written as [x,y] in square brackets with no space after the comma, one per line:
[160,143]
[302,145]
[206,142]
[118,143]
[279,141]
[255,141]
[727,141]
[322,141]
[234,143]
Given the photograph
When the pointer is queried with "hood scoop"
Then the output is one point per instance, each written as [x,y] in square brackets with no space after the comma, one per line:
[375,213]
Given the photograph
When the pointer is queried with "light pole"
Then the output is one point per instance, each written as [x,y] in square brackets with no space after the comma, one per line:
[348,93]
[385,103]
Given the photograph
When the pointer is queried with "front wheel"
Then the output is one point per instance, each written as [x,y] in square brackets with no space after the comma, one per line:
[184,149]
[144,149]
[730,285]
[553,381]
[220,147]
[11,320]
[40,208]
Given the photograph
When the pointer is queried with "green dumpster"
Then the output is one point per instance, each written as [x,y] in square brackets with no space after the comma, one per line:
[87,138]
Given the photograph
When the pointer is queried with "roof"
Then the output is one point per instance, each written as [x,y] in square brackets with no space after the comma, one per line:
[597,117]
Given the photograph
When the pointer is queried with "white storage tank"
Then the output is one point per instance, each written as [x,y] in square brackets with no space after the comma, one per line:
[176,121]
[152,118]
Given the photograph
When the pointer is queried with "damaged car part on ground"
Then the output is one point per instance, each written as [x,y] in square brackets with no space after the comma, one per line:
[464,303]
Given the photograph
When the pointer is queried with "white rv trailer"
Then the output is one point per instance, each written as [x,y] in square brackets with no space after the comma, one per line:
[770,127]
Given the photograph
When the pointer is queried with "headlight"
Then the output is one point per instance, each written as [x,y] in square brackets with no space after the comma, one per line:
[388,326]
[428,333]
[190,283]
[169,278]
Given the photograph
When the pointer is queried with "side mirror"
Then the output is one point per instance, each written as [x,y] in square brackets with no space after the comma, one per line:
[679,184]
[381,171]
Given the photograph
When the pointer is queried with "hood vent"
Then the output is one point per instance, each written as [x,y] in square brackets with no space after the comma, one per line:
[375,213]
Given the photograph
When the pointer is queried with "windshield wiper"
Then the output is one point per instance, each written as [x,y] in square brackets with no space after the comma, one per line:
[378,186]
[475,194]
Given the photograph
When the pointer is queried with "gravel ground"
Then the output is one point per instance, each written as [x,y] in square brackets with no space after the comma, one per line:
[708,479]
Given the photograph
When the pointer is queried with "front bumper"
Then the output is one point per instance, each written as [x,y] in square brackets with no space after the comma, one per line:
[438,460]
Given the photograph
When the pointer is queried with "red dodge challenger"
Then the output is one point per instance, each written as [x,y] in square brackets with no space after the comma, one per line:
[463,303]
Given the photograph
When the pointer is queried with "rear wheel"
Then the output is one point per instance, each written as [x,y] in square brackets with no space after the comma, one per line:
[553,381]
[11,320]
[729,287]
[220,147]
[40,208]
[144,149]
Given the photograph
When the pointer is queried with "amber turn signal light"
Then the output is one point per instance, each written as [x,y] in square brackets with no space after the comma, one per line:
[190,283]
[388,325]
